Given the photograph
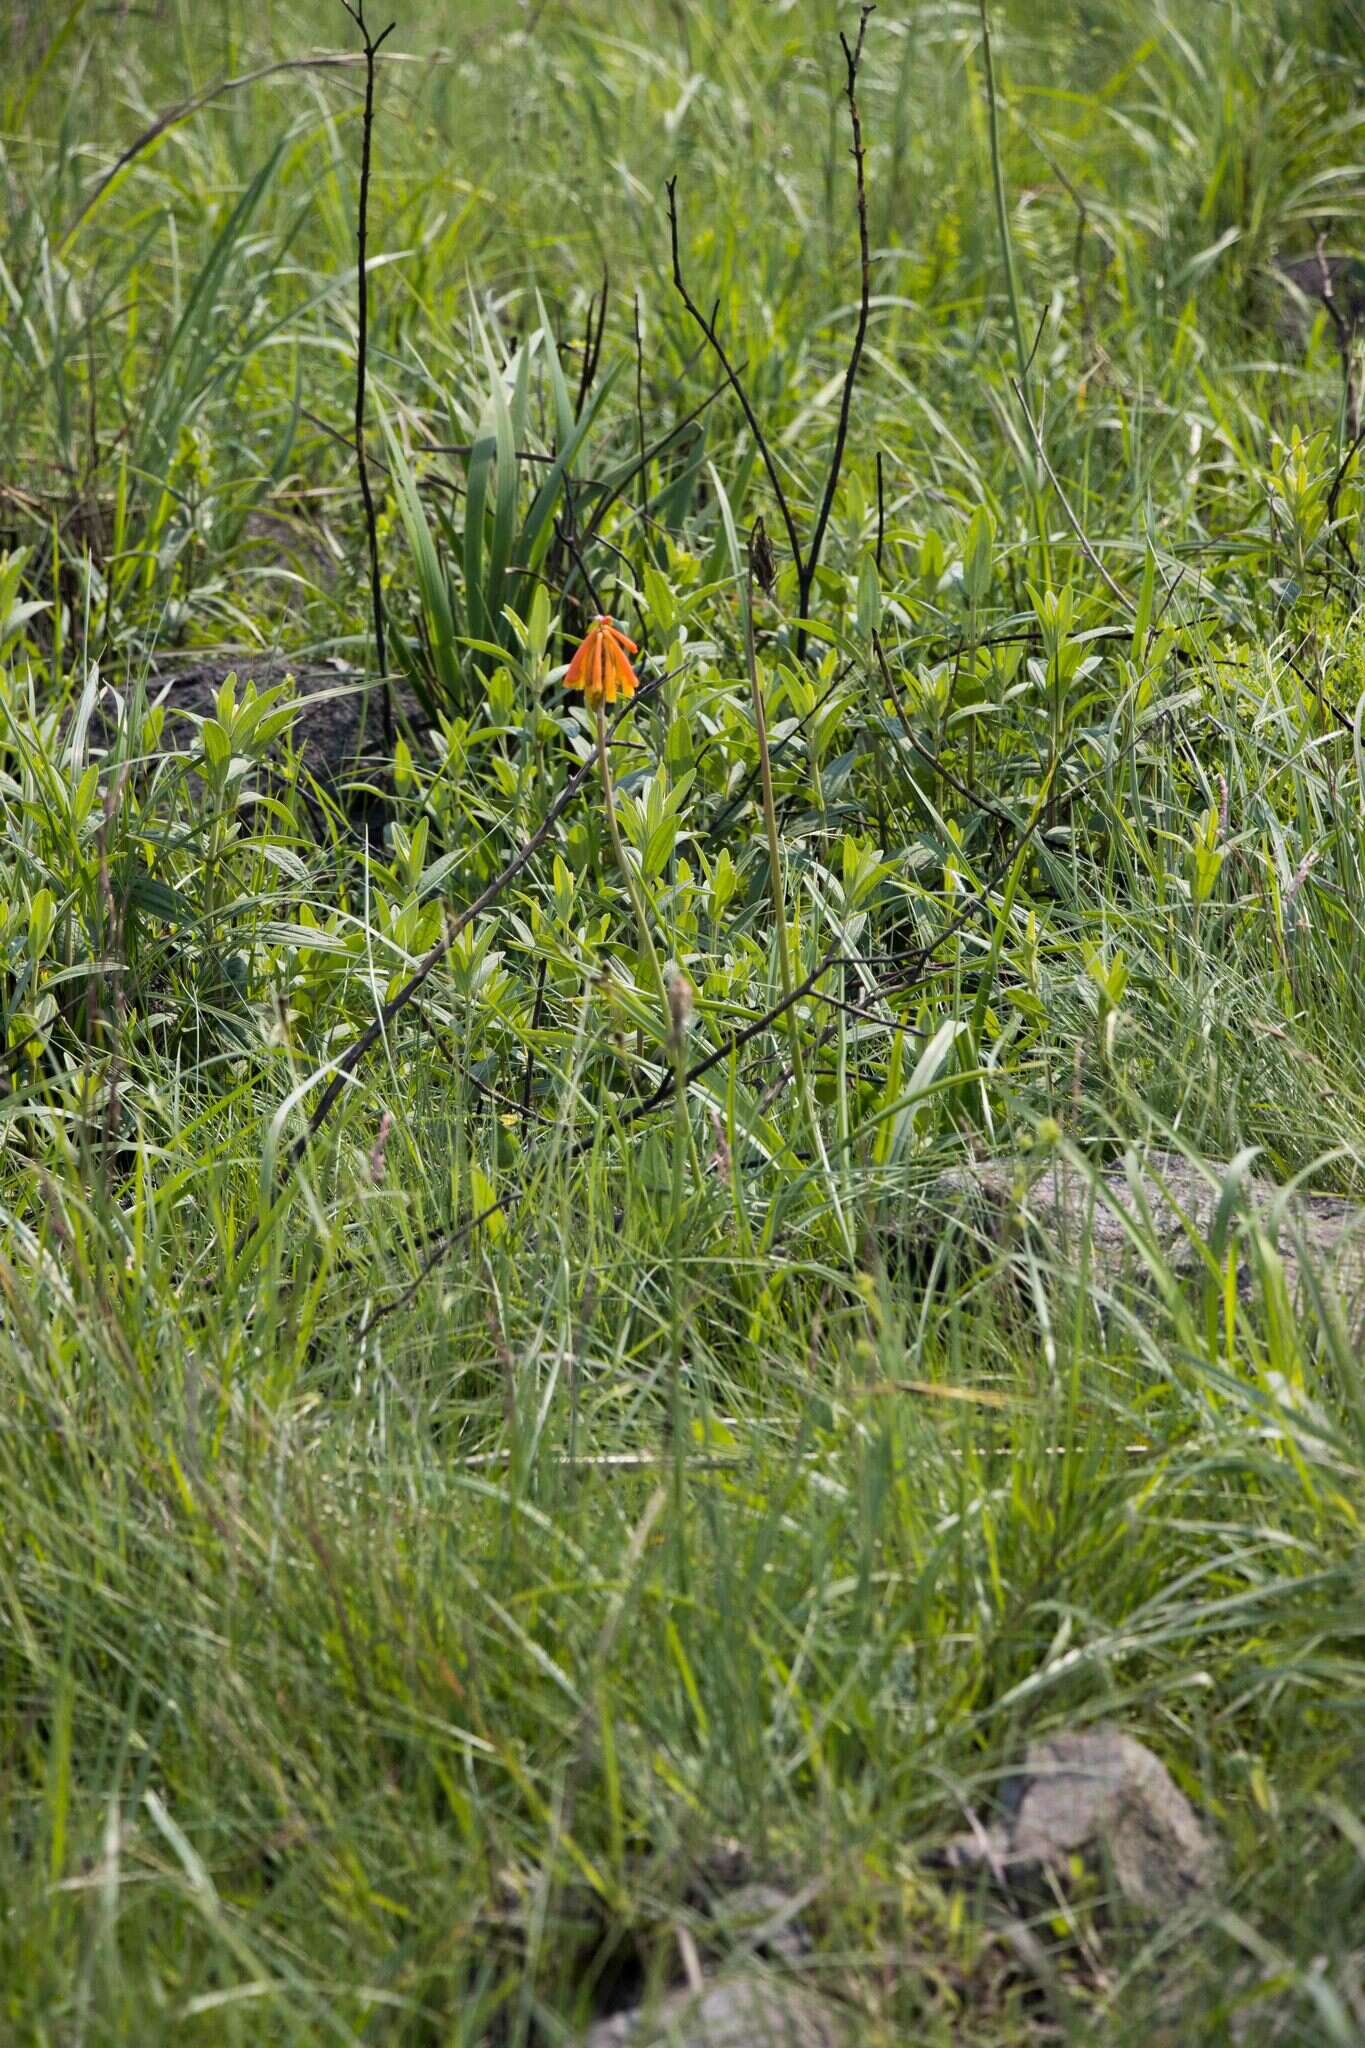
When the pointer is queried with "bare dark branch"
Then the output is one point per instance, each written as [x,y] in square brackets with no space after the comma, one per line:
[708,328]
[356,1052]
[852,59]
[807,560]
[339,60]
[372,47]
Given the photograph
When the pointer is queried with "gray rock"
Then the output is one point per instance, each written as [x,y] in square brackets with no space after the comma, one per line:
[1069,1208]
[1335,283]
[736,2012]
[338,726]
[1330,279]
[1101,1796]
[763,1918]
[339,723]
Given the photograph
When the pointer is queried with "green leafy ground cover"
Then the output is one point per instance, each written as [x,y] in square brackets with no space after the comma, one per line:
[401,1608]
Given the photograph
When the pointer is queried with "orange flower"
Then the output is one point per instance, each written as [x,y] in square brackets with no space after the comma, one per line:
[601,668]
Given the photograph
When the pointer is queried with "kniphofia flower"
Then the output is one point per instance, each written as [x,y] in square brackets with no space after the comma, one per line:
[601,668]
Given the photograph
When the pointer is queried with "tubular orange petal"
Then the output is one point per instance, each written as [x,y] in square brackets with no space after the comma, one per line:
[577,667]
[625,674]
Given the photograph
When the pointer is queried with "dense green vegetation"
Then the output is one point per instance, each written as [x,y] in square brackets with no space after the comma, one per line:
[425,1542]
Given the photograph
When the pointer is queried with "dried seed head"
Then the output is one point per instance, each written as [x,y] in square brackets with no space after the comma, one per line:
[720,1161]
[679,1003]
[1300,876]
[762,562]
[381,1145]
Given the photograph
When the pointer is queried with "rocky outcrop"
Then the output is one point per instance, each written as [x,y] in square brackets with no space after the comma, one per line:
[1098,1796]
[747,2010]
[1172,1207]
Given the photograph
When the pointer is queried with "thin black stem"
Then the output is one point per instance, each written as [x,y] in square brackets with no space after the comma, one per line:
[1334,494]
[806,571]
[566,536]
[806,561]
[592,343]
[708,328]
[881,512]
[640,416]
[537,1013]
[372,47]
[964,790]
[371,1036]
[667,1088]
[173,116]
[738,1039]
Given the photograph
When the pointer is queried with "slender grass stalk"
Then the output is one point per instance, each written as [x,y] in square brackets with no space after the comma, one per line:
[362,348]
[765,772]
[637,901]
[1023,354]
[680,1009]
[1001,211]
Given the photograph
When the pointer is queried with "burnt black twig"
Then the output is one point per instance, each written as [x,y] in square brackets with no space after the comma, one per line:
[738,1039]
[806,560]
[592,342]
[537,1012]
[1328,704]
[1037,340]
[919,961]
[372,46]
[881,513]
[567,538]
[964,790]
[447,1243]
[371,1036]
[806,575]
[917,967]
[1356,443]
[329,61]
[640,414]
[1344,325]
[708,328]
[1073,521]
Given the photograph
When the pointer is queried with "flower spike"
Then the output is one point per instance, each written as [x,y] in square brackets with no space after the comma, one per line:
[601,668]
